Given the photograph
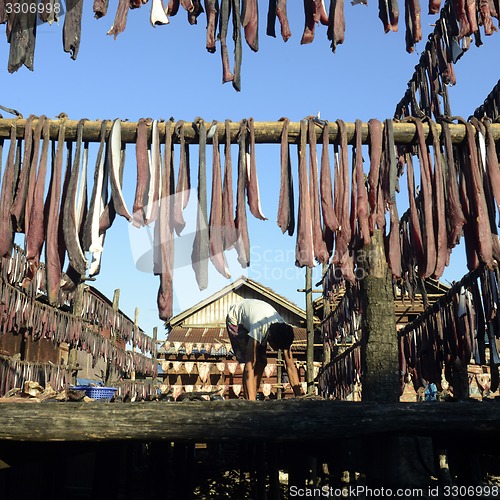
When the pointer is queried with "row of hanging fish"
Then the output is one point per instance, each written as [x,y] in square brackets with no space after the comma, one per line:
[460,328]
[343,325]
[491,105]
[14,373]
[13,270]
[338,379]
[21,313]
[23,16]
[71,225]
[427,94]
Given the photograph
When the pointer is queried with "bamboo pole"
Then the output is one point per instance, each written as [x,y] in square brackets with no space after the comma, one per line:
[265,132]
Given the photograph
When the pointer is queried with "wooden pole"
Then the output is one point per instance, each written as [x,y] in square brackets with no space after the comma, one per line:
[310,333]
[327,354]
[265,132]
[112,336]
[73,352]
[136,325]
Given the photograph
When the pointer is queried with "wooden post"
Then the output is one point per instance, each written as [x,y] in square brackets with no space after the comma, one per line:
[379,348]
[136,325]
[310,333]
[112,336]
[73,351]
[327,354]
[153,354]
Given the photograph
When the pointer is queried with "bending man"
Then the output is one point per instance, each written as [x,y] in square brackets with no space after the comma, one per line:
[252,323]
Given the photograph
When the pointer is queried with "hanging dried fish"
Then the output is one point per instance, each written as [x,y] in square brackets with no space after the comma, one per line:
[237,44]
[243,243]
[362,194]
[183,181]
[100,8]
[225,9]
[72,27]
[158,15]
[454,213]
[115,138]
[286,218]
[71,225]
[200,253]
[9,183]
[230,233]
[143,174]
[93,239]
[120,21]
[304,249]
[19,204]
[250,23]
[35,231]
[164,231]
[34,165]
[215,224]
[321,253]
[53,262]
[252,181]
[212,10]
[21,35]
[336,24]
[154,175]
[375,151]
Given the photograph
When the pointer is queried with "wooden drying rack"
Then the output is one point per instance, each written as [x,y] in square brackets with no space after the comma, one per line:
[265,132]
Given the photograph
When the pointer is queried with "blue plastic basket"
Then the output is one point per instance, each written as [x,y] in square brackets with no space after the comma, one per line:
[96,392]
[100,392]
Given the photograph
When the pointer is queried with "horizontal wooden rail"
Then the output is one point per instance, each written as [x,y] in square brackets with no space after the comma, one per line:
[291,420]
[265,132]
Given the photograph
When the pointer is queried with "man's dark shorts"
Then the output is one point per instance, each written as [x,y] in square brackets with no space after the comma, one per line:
[239,339]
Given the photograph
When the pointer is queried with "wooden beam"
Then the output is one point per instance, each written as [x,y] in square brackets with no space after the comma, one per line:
[265,132]
[290,420]
[310,333]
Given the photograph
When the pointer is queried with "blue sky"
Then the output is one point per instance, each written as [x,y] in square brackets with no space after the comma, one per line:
[166,72]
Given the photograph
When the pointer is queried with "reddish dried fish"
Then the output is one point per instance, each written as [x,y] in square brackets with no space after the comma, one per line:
[439,204]
[143,178]
[212,10]
[320,251]
[34,165]
[252,181]
[120,21]
[215,224]
[362,195]
[286,219]
[304,249]
[250,23]
[164,232]
[375,150]
[53,264]
[9,182]
[329,218]
[283,19]
[454,213]
[18,207]
[35,231]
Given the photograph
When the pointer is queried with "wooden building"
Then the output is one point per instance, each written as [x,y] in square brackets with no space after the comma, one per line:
[197,354]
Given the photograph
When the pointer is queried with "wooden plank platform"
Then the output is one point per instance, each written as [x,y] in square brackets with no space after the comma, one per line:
[293,420]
